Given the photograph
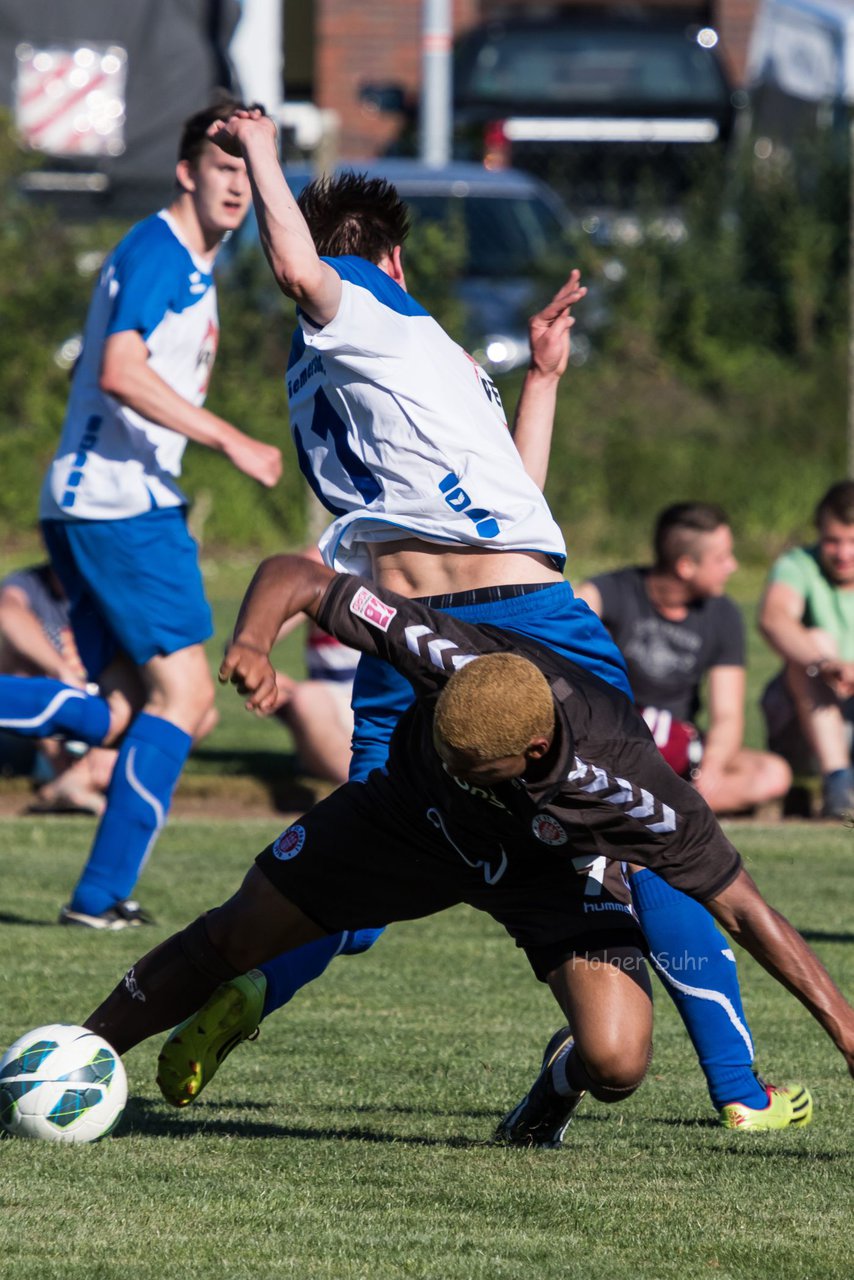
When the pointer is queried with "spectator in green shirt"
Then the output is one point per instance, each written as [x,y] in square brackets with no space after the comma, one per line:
[807,616]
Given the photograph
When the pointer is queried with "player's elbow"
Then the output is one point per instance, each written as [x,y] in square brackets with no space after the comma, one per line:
[113,380]
[310,283]
[291,268]
[767,630]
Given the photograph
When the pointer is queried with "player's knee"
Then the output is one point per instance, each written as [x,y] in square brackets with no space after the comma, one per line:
[236,931]
[204,953]
[208,723]
[122,711]
[201,697]
[776,777]
[187,704]
[257,923]
[616,1072]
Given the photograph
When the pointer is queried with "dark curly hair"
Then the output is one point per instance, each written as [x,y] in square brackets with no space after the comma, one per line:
[354,214]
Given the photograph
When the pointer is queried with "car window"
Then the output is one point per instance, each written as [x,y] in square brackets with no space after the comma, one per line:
[505,235]
[592,68]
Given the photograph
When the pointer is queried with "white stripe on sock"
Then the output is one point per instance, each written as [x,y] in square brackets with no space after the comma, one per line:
[150,799]
[717,997]
[55,702]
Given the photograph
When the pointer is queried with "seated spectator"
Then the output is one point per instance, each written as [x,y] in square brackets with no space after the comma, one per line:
[807,616]
[36,639]
[317,710]
[675,626]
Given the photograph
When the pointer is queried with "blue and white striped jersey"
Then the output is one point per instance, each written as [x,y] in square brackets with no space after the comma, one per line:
[112,462]
[400,433]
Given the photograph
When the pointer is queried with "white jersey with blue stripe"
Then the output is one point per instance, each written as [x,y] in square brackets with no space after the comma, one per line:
[400,433]
[111,462]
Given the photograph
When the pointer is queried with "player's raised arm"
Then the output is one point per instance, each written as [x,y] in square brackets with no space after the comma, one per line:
[548,333]
[285,237]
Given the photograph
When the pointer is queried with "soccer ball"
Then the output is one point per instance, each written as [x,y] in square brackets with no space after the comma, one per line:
[62,1084]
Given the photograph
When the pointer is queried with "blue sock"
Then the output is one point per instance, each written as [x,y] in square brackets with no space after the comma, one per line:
[149,764]
[287,973]
[38,707]
[695,963]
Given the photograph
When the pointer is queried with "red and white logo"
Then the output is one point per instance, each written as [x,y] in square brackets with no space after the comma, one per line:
[289,843]
[366,605]
[548,829]
[207,353]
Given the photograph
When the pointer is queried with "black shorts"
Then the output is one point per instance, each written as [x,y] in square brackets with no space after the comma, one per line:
[352,863]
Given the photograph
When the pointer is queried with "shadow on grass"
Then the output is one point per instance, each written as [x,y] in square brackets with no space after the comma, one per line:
[749,1152]
[752,1146]
[288,790]
[145,1117]
[8,917]
[696,1122]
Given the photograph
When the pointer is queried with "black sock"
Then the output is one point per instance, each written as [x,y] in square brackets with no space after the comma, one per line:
[161,989]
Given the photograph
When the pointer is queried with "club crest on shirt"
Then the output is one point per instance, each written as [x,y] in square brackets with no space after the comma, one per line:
[289,843]
[366,605]
[548,829]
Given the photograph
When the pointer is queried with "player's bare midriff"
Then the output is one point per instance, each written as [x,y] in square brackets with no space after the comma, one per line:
[413,567]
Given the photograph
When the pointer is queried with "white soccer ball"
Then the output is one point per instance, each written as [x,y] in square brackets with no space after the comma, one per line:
[62,1084]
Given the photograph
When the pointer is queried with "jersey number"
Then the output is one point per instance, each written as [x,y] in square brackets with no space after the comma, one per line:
[328,425]
[595,868]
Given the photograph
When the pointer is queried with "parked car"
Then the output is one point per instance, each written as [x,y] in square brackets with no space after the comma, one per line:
[617,109]
[514,226]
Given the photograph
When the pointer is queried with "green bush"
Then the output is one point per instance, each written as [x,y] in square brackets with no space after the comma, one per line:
[44,288]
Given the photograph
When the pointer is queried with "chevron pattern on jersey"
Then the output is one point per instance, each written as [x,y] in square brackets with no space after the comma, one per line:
[636,802]
[437,650]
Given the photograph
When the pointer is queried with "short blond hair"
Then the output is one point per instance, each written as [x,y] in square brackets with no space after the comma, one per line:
[494,706]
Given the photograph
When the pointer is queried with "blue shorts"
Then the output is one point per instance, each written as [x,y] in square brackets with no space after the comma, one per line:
[553,615]
[133,586]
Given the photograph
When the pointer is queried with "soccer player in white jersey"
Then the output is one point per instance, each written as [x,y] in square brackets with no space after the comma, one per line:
[403,438]
[114,518]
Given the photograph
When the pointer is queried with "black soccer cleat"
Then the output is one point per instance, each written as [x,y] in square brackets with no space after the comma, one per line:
[122,915]
[542,1117]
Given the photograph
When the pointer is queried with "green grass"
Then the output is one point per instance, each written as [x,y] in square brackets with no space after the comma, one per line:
[349,1141]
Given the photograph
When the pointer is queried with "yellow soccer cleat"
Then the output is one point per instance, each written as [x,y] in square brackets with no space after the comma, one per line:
[195,1050]
[789,1105]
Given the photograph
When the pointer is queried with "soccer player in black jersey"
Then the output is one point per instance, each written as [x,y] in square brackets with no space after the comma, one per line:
[518,783]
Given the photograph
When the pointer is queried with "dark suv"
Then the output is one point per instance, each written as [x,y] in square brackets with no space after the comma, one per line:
[602,104]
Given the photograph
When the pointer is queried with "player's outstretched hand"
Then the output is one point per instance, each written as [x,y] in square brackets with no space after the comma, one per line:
[548,330]
[250,670]
[230,134]
[262,462]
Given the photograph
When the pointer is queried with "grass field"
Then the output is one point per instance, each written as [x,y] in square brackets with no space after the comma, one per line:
[350,1140]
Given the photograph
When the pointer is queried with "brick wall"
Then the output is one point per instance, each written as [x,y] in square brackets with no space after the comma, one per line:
[734,21]
[358,43]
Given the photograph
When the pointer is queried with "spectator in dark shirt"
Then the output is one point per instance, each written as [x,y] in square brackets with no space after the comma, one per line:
[675,627]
